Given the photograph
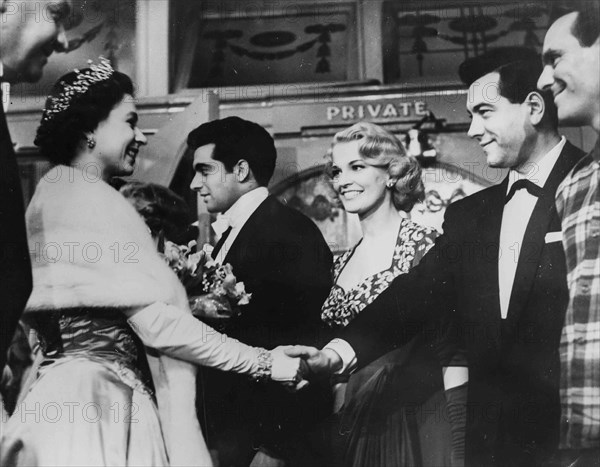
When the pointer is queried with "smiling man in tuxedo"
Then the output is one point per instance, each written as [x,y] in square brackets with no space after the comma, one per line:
[285,264]
[498,268]
[29,32]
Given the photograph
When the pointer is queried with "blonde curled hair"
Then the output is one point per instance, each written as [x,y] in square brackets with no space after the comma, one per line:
[380,148]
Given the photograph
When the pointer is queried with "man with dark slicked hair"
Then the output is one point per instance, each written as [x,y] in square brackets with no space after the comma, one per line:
[572,73]
[498,268]
[285,264]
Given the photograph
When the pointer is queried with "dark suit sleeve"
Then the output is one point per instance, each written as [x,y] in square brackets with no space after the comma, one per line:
[303,287]
[421,300]
[289,280]
[15,268]
[288,289]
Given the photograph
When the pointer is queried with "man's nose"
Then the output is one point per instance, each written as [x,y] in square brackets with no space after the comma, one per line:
[196,184]
[475,128]
[546,78]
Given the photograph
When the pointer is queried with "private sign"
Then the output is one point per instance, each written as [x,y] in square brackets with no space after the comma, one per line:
[375,110]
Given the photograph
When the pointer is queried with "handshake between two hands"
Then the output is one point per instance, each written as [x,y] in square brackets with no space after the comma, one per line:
[295,365]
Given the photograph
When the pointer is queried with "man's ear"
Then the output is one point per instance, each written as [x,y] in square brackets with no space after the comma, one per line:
[537,107]
[241,170]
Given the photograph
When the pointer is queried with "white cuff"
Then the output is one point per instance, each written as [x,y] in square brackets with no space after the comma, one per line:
[346,353]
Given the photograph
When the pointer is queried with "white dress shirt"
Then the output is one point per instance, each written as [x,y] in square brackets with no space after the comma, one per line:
[236,216]
[515,218]
[514,222]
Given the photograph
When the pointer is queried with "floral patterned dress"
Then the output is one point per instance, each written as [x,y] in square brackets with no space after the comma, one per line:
[393,410]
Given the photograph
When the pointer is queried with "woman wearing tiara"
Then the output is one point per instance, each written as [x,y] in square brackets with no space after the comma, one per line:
[98,279]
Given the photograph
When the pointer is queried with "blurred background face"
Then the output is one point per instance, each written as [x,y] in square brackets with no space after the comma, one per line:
[215,186]
[118,140]
[30,31]
[360,186]
[498,125]
[571,72]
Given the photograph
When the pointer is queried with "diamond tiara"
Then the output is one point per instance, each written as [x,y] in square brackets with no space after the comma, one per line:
[84,79]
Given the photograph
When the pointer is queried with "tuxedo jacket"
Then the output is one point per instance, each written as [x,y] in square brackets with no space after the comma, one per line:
[513,398]
[15,267]
[285,263]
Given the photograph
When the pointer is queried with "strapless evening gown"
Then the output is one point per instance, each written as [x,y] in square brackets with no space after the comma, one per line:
[88,405]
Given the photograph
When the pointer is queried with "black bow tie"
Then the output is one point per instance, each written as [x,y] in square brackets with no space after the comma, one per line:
[531,187]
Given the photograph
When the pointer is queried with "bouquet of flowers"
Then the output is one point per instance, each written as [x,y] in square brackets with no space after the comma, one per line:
[185,262]
[221,294]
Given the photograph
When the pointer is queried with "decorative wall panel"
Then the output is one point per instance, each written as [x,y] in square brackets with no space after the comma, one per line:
[221,44]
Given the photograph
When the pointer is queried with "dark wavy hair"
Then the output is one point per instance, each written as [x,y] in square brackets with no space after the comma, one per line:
[380,148]
[518,68]
[59,137]
[234,139]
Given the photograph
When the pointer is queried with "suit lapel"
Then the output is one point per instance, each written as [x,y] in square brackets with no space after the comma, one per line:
[533,244]
[11,198]
[5,140]
[488,237]
[242,245]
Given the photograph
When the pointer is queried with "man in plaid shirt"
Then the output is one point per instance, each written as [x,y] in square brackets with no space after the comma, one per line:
[572,72]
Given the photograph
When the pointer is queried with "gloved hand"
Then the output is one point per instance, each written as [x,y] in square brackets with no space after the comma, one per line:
[173,332]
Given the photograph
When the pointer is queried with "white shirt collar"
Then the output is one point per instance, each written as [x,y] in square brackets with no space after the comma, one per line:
[237,215]
[539,172]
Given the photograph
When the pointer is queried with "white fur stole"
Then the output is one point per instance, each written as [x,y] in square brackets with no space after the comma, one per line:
[90,248]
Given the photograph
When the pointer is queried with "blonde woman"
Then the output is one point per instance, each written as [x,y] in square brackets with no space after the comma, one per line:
[392,410]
